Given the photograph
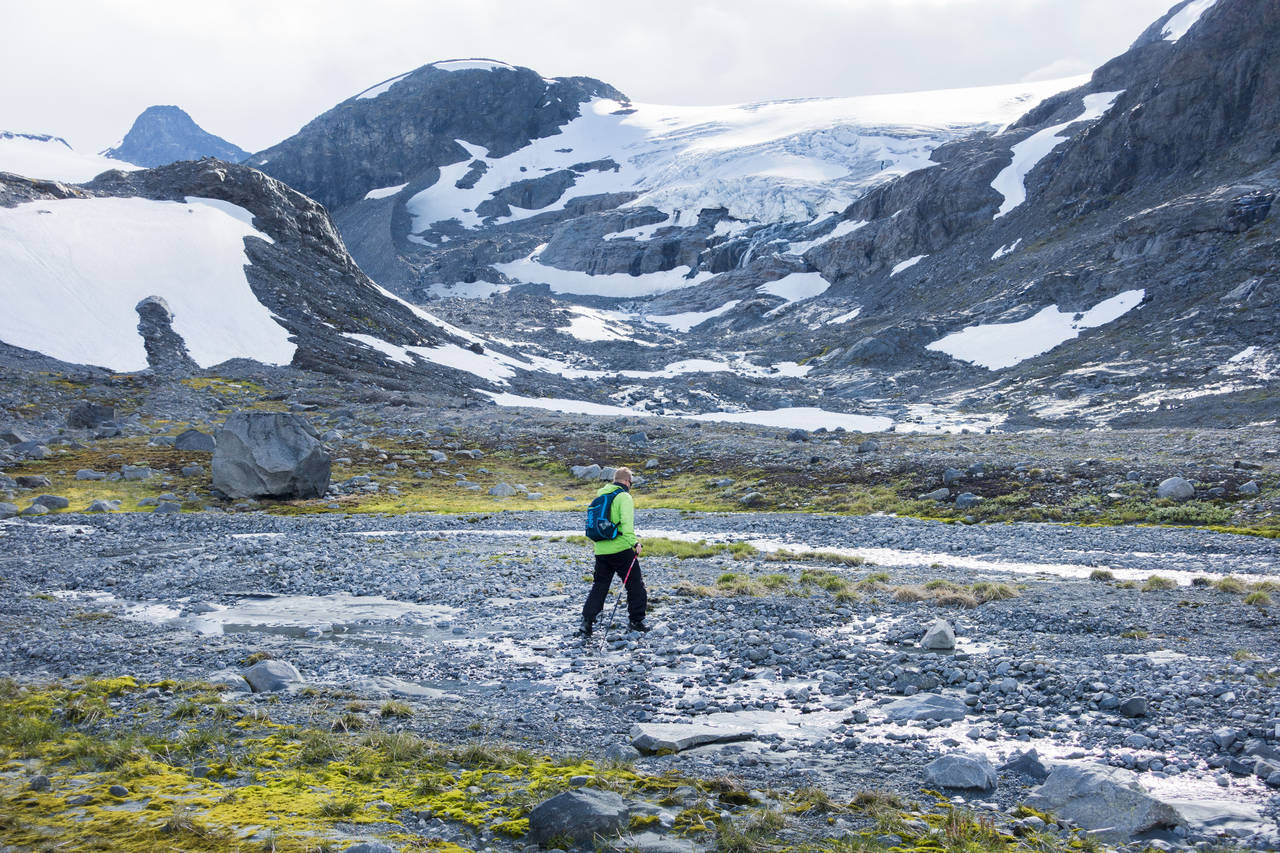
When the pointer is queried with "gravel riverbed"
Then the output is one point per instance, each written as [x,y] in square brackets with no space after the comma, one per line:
[470,619]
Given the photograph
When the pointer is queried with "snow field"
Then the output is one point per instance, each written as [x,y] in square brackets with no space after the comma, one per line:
[53,159]
[1000,345]
[73,270]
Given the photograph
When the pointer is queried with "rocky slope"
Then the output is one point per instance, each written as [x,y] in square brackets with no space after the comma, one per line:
[166,134]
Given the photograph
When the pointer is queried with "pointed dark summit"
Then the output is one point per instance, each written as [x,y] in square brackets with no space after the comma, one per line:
[165,134]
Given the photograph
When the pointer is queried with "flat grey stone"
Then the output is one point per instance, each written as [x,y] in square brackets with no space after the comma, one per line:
[676,737]
[926,706]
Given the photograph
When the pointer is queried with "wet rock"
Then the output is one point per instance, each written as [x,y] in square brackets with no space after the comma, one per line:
[651,842]
[579,816]
[1176,489]
[926,706]
[269,454]
[268,676]
[38,783]
[1134,706]
[961,770]
[1027,764]
[80,800]
[86,415]
[940,636]
[118,791]
[194,439]
[936,495]
[503,490]
[1218,818]
[1105,800]
[673,737]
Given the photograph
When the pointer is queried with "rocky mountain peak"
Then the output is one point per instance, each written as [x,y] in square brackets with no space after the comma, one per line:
[166,134]
[405,128]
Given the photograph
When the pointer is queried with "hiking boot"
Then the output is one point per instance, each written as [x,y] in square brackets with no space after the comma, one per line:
[585,629]
[638,627]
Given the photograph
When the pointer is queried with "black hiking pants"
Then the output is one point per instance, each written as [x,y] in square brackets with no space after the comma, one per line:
[608,565]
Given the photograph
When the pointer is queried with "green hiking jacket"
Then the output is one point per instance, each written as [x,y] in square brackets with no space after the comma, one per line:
[623,514]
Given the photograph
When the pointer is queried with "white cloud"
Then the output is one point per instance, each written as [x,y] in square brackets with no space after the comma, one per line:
[255,72]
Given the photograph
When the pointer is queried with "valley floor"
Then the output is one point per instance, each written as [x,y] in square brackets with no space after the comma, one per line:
[797,632]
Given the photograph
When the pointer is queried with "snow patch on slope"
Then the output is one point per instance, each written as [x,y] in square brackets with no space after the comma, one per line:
[1187,17]
[999,345]
[383,192]
[52,158]
[906,265]
[685,321]
[611,284]
[73,270]
[842,228]
[381,88]
[1011,182]
[796,287]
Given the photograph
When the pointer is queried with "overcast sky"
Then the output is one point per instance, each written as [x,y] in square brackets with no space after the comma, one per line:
[254,71]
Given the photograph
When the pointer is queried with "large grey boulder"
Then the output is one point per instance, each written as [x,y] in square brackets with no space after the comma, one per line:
[1176,489]
[925,706]
[8,510]
[269,454]
[194,439]
[961,770]
[940,636]
[1107,801]
[579,816]
[674,737]
[268,676]
[586,472]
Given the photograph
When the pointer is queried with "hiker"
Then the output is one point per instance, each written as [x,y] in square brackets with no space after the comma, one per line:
[619,555]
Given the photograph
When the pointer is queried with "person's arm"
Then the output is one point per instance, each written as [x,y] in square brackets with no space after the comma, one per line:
[626,518]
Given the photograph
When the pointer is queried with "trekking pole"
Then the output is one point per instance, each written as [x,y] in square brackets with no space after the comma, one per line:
[614,611]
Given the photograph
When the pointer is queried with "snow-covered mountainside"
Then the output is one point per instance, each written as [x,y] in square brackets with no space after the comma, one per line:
[38,155]
[193,264]
[166,134]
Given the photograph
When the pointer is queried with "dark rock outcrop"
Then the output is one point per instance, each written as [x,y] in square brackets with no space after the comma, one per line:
[166,351]
[166,134]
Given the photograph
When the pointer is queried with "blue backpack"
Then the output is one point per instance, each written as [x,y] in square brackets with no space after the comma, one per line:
[599,526]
